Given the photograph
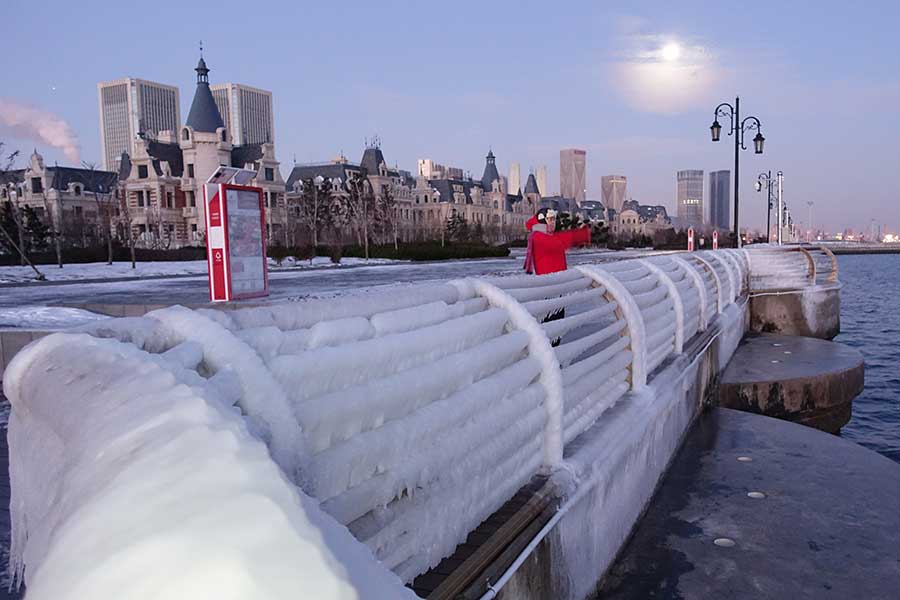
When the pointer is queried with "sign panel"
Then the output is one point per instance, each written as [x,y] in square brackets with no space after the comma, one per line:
[215,243]
[235,238]
[715,240]
[245,242]
[690,239]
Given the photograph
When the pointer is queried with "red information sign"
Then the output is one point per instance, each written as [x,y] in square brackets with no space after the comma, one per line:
[690,239]
[715,240]
[235,239]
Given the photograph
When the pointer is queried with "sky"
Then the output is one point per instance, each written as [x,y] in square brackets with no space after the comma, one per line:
[634,84]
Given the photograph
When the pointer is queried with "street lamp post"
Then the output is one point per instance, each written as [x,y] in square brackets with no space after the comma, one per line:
[766,179]
[738,128]
[781,207]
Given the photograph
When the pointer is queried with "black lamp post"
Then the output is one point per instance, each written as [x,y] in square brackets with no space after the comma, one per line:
[738,128]
[761,180]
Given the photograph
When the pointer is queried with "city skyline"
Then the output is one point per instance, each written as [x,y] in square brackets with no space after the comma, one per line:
[689,197]
[720,199]
[573,174]
[622,102]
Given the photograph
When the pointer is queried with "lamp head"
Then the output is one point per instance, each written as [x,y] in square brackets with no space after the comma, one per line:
[758,143]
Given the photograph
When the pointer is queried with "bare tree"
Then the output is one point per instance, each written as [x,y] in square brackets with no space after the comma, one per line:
[13,199]
[386,214]
[102,191]
[54,216]
[360,205]
[5,168]
[315,203]
[126,221]
[337,217]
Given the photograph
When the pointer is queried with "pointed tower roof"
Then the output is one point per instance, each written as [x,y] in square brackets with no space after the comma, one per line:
[372,159]
[204,115]
[490,172]
[531,186]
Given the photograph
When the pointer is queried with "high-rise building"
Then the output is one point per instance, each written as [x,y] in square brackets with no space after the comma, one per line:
[246,112]
[572,181]
[130,108]
[515,179]
[614,190]
[432,170]
[690,197]
[542,180]
[719,198]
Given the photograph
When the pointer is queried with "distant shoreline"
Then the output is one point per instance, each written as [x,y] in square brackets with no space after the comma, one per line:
[887,250]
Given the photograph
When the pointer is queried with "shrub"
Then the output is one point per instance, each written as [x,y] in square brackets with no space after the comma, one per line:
[278,253]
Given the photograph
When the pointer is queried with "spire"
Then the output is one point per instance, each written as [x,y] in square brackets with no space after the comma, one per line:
[204,114]
[202,72]
[490,172]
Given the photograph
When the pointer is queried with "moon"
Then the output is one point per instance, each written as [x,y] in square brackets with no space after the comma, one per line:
[670,52]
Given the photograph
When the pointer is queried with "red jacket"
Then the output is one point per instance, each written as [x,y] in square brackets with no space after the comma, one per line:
[547,251]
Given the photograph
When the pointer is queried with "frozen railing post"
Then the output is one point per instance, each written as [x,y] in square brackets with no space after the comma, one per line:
[540,347]
[665,280]
[832,276]
[720,303]
[629,311]
[694,276]
[726,266]
[810,262]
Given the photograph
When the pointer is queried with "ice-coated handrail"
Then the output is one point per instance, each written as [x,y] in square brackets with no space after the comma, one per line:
[697,280]
[790,267]
[720,304]
[667,281]
[630,312]
[540,347]
[399,407]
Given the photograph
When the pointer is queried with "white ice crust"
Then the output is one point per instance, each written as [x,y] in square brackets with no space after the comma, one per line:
[329,448]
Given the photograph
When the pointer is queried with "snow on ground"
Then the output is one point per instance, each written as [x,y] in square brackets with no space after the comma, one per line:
[117,270]
[45,317]
[324,262]
[120,270]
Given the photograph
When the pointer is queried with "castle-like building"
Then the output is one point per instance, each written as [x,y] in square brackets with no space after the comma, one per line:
[424,204]
[162,186]
[163,181]
[153,191]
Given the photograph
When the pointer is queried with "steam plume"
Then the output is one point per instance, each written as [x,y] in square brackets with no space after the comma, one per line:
[32,123]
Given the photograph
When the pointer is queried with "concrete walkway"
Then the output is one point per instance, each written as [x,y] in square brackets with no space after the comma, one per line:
[821,523]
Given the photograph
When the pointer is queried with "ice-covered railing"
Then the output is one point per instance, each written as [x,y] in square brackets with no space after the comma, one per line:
[825,264]
[413,413]
[791,267]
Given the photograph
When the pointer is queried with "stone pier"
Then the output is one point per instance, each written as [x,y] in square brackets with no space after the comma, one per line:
[801,379]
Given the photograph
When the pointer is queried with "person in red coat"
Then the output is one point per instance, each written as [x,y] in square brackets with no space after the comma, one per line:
[547,247]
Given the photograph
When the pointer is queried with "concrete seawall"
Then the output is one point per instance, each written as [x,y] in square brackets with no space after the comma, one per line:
[811,311]
[620,462]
